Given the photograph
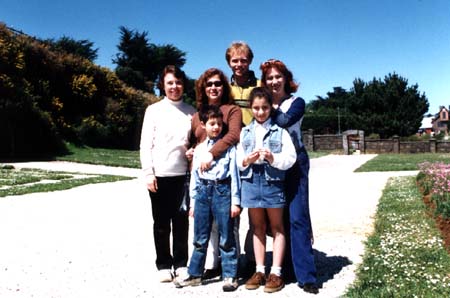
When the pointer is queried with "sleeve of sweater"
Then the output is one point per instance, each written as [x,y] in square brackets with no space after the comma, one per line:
[198,134]
[146,145]
[234,129]
[292,115]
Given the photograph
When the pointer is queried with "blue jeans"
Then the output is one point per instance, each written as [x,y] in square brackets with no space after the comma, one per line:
[213,202]
[300,230]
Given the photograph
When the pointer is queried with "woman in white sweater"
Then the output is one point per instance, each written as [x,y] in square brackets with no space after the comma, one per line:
[164,142]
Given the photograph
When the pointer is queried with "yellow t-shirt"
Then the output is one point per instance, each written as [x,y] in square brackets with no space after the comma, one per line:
[241,95]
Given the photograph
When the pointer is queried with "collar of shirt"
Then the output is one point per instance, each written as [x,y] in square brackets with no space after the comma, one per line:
[251,81]
[210,142]
[265,125]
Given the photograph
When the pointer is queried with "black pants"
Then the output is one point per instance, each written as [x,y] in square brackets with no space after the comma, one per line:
[167,216]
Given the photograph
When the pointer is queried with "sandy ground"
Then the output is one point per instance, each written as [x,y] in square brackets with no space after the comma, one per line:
[96,240]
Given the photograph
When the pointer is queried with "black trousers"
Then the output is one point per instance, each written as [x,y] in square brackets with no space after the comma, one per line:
[169,218]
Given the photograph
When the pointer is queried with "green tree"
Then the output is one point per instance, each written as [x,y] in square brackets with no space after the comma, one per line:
[83,48]
[139,62]
[386,107]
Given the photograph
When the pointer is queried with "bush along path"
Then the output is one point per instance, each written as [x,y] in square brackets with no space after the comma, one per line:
[434,182]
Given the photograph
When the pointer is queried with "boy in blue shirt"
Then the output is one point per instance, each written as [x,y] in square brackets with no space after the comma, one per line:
[215,194]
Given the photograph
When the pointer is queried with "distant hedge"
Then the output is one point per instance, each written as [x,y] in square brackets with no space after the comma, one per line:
[49,97]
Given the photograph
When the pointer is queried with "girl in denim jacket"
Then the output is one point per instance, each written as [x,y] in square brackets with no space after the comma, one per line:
[264,154]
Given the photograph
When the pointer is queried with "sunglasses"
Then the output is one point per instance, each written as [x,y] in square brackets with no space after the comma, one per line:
[270,62]
[215,83]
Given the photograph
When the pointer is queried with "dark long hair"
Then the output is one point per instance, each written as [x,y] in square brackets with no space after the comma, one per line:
[200,88]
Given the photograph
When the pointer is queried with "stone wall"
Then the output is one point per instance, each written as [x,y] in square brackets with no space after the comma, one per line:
[379,146]
[442,147]
[327,142]
[347,141]
[415,147]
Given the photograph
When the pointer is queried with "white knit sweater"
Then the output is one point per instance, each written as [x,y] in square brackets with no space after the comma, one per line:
[164,138]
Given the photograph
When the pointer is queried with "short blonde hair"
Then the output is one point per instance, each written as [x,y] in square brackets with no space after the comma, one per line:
[239,47]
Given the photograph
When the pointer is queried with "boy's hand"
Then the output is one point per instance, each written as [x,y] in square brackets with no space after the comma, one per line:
[235,211]
[191,212]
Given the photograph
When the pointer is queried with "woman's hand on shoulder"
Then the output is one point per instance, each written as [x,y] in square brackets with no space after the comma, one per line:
[206,161]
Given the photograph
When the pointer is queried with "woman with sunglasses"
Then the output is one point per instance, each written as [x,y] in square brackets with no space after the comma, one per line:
[212,88]
[288,113]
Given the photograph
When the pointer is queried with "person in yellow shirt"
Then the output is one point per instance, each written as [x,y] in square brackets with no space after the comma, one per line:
[239,56]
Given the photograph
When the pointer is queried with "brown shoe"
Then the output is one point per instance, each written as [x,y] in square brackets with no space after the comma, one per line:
[274,283]
[258,279]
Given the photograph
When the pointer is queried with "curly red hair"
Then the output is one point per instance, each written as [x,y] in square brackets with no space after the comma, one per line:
[291,86]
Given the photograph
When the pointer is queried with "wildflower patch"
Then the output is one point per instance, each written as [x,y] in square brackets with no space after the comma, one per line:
[405,256]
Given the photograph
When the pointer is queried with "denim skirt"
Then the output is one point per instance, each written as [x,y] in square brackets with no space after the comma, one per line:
[257,192]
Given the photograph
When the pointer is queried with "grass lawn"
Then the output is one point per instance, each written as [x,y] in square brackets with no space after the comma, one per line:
[405,256]
[24,181]
[117,158]
[317,154]
[401,162]
[107,157]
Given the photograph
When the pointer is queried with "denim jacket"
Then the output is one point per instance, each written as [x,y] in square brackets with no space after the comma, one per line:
[272,140]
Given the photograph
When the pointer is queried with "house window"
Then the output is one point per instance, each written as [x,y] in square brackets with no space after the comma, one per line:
[444,115]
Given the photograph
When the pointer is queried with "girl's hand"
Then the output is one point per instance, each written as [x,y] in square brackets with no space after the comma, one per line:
[235,211]
[191,212]
[266,154]
[251,158]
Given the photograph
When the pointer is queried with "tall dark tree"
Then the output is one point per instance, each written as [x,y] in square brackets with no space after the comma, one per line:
[139,62]
[83,48]
[386,107]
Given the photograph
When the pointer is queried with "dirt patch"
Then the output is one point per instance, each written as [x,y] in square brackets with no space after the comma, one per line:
[443,224]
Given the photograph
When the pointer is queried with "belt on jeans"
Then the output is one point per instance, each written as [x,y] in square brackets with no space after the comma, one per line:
[215,182]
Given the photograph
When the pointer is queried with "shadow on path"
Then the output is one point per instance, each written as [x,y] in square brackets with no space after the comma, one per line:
[328,266]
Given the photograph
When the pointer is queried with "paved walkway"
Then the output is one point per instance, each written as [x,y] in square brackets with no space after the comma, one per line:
[96,240]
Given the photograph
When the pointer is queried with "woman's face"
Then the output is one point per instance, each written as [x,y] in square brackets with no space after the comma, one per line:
[275,82]
[214,90]
[261,109]
[173,87]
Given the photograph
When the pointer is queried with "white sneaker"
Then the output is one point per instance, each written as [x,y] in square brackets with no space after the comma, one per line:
[181,272]
[229,284]
[165,275]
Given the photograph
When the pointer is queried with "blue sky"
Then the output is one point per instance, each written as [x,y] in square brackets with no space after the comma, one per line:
[326,43]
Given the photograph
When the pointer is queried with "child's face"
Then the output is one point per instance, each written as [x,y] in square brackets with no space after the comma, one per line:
[261,109]
[213,127]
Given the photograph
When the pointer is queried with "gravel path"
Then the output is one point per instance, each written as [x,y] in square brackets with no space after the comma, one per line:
[96,240]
